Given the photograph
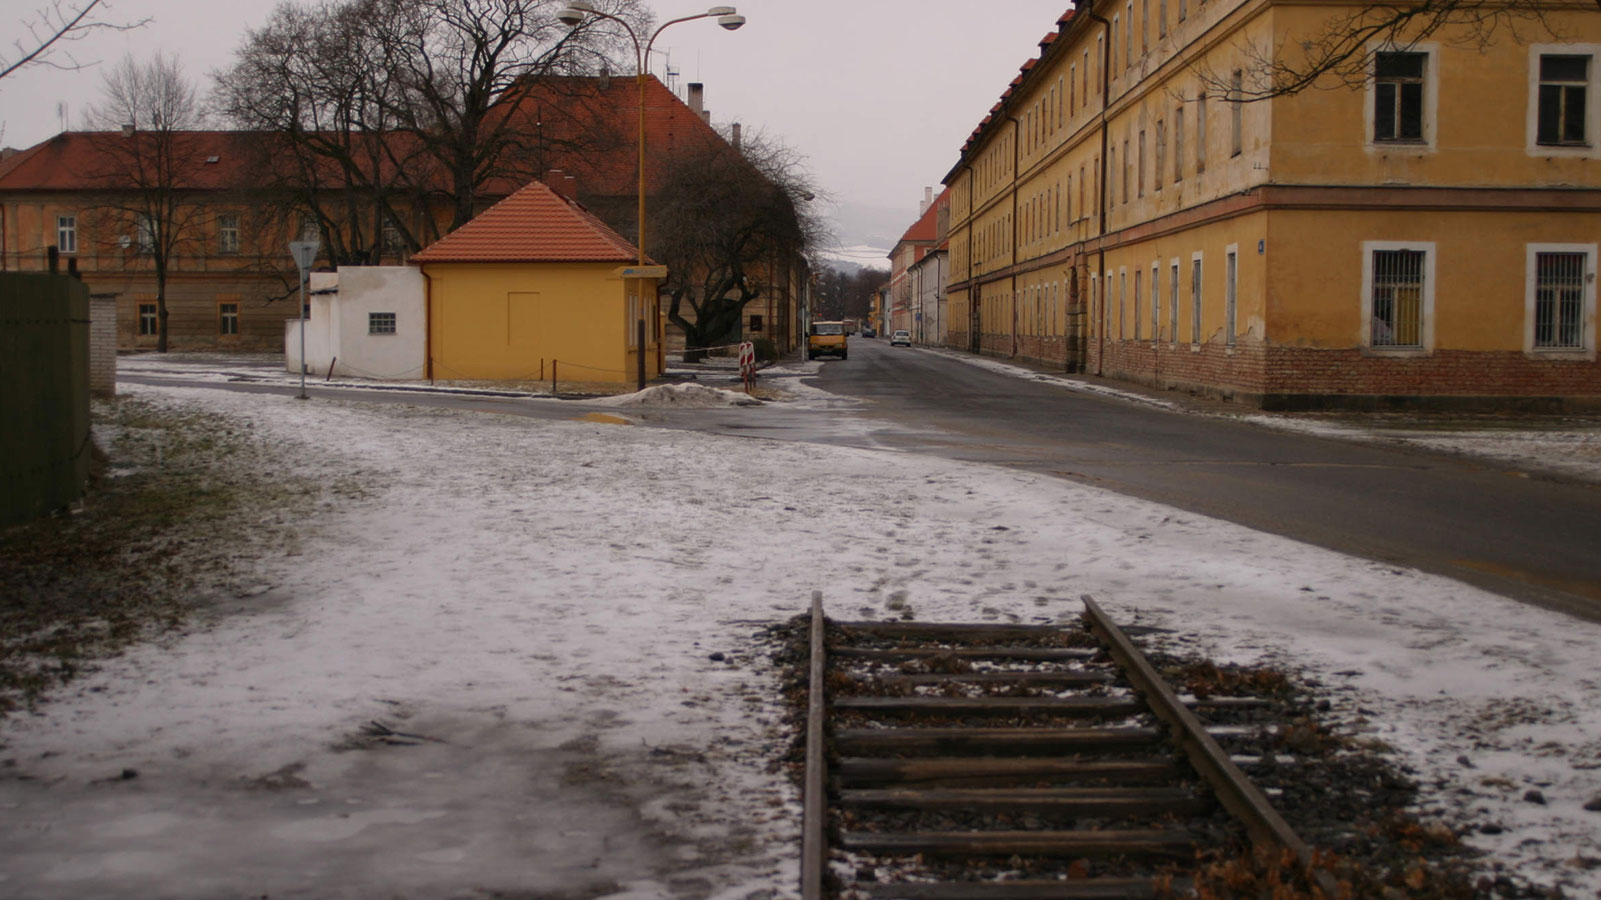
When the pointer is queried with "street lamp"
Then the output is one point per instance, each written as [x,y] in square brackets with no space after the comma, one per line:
[574,15]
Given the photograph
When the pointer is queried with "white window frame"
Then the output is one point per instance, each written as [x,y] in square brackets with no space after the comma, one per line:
[1587,351]
[1231,296]
[1156,302]
[228,234]
[1173,302]
[1592,125]
[1365,327]
[67,233]
[1431,99]
[1197,291]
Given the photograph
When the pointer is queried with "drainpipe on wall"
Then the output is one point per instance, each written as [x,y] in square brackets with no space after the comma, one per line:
[1100,200]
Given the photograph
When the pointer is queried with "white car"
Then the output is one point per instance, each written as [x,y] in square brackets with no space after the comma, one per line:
[904,338]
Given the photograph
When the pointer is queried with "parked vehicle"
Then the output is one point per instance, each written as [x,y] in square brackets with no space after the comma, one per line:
[870,332]
[902,337]
[826,337]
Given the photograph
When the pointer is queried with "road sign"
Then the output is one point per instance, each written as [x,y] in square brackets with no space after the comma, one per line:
[747,363]
[304,252]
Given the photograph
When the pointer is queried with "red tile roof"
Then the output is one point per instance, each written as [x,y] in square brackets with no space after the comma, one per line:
[87,160]
[589,128]
[534,224]
[924,229]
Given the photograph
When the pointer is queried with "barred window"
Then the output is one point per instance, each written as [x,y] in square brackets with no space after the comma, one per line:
[1397,298]
[1559,301]
[381,323]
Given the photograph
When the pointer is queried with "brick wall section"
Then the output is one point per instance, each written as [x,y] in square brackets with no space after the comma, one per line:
[103,346]
[1447,373]
[1295,377]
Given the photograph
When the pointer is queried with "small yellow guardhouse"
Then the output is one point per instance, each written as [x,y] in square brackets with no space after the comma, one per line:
[535,288]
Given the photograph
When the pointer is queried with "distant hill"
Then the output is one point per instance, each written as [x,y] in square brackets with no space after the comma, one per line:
[851,260]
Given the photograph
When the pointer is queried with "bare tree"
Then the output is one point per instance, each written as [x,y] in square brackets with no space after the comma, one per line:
[1340,53]
[149,158]
[312,82]
[726,223]
[51,28]
[846,295]
[395,105]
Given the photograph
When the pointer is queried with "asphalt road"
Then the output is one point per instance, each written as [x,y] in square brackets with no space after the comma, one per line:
[1531,538]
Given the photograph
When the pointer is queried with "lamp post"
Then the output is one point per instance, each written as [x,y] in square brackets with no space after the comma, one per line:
[574,15]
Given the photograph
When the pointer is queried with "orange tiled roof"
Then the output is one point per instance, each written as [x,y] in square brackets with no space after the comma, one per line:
[83,160]
[589,127]
[534,224]
[925,229]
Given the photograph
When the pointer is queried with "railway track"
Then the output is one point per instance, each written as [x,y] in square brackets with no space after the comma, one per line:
[993,762]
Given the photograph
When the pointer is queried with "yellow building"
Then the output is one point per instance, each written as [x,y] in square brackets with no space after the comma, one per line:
[1140,204]
[534,288]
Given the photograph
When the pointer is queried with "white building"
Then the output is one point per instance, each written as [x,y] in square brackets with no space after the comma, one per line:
[365,322]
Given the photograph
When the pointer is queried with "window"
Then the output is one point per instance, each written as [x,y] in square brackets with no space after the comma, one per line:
[1161,154]
[1122,295]
[1200,133]
[1156,303]
[1113,60]
[1231,294]
[1173,302]
[1111,176]
[1184,10]
[309,230]
[1195,299]
[228,319]
[1236,112]
[1564,88]
[380,323]
[1128,37]
[1137,322]
[1398,295]
[67,234]
[1072,88]
[1398,96]
[1128,164]
[1161,19]
[1561,298]
[389,235]
[145,229]
[148,325]
[1140,177]
[227,234]
[1178,144]
[756,324]
[1145,26]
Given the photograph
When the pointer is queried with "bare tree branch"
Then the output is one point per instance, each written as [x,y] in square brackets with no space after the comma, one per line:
[1340,53]
[53,25]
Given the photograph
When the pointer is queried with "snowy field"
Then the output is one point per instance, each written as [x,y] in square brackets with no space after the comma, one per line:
[525,664]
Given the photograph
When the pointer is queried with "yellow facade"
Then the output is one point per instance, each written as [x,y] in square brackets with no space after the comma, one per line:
[576,322]
[1122,212]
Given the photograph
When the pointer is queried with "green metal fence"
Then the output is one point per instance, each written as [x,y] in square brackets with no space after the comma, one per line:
[44,393]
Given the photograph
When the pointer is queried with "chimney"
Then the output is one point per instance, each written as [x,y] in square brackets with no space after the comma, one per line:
[127,129]
[697,98]
[562,183]
[928,200]
[605,76]
[736,135]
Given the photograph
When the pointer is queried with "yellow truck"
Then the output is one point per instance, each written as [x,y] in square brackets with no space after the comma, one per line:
[826,337]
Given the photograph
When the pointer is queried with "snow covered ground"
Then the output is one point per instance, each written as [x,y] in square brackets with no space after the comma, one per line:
[524,663]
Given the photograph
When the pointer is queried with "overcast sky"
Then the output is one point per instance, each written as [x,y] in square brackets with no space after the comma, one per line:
[878,94]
